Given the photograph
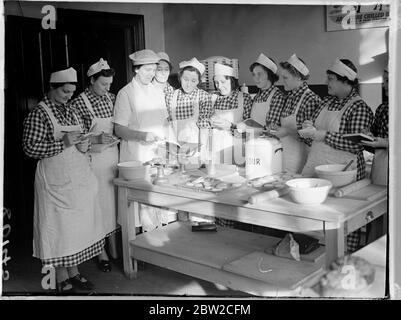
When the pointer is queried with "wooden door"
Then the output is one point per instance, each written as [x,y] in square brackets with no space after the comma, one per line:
[79,40]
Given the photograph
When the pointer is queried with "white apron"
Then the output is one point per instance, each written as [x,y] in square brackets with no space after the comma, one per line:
[66,219]
[225,147]
[104,165]
[260,110]
[149,113]
[186,130]
[320,152]
[379,174]
[295,151]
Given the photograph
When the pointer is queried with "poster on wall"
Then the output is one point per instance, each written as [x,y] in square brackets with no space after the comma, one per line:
[351,17]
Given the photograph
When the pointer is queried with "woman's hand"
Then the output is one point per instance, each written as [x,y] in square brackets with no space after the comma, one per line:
[307,124]
[220,123]
[83,145]
[105,138]
[71,138]
[281,132]
[149,138]
[378,143]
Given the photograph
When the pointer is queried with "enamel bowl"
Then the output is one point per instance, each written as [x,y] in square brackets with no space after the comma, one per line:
[309,191]
[131,170]
[334,173]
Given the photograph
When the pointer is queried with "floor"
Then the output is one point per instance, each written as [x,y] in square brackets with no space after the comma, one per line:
[26,278]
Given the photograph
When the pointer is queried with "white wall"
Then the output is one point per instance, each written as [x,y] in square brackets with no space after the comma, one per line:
[244,31]
[152,12]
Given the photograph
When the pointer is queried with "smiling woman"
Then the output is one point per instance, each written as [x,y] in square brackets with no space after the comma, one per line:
[64,184]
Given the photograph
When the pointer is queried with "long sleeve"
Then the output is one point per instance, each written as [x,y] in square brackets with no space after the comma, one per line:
[205,109]
[247,106]
[309,105]
[38,141]
[276,107]
[358,119]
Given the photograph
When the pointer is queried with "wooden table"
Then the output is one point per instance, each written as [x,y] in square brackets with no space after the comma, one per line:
[192,254]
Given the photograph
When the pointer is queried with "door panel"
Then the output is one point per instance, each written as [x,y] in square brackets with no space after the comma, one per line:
[30,55]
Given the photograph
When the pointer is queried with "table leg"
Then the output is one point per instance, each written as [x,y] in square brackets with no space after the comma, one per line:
[127,231]
[334,242]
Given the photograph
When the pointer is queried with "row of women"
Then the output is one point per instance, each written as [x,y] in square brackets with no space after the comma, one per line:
[74,194]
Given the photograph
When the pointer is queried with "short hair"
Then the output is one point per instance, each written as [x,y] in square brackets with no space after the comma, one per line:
[273,78]
[293,71]
[234,83]
[191,69]
[353,83]
[103,73]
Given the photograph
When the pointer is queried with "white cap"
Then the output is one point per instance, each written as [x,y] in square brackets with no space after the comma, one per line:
[97,67]
[265,61]
[67,75]
[223,70]
[298,64]
[343,70]
[145,56]
[164,56]
[193,63]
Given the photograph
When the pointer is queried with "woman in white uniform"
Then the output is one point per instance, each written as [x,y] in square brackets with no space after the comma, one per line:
[300,105]
[95,106]
[230,108]
[67,228]
[140,118]
[342,112]
[269,101]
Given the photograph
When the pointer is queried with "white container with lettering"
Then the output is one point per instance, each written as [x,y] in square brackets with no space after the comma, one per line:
[263,157]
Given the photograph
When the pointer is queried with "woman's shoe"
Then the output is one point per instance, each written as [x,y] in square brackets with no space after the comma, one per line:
[81,283]
[104,265]
[65,287]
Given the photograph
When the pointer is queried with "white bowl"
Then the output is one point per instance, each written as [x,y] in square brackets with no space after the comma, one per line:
[131,170]
[309,190]
[334,173]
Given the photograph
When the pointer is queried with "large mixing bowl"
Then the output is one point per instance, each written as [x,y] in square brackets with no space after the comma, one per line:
[133,170]
[334,173]
[309,191]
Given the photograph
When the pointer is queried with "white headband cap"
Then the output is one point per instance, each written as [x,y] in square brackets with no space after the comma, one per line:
[223,70]
[97,67]
[298,64]
[265,61]
[193,63]
[67,75]
[343,70]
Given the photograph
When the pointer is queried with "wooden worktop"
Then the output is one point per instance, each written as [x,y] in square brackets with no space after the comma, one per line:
[334,209]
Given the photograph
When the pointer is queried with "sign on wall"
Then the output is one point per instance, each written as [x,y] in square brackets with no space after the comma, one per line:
[357,16]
